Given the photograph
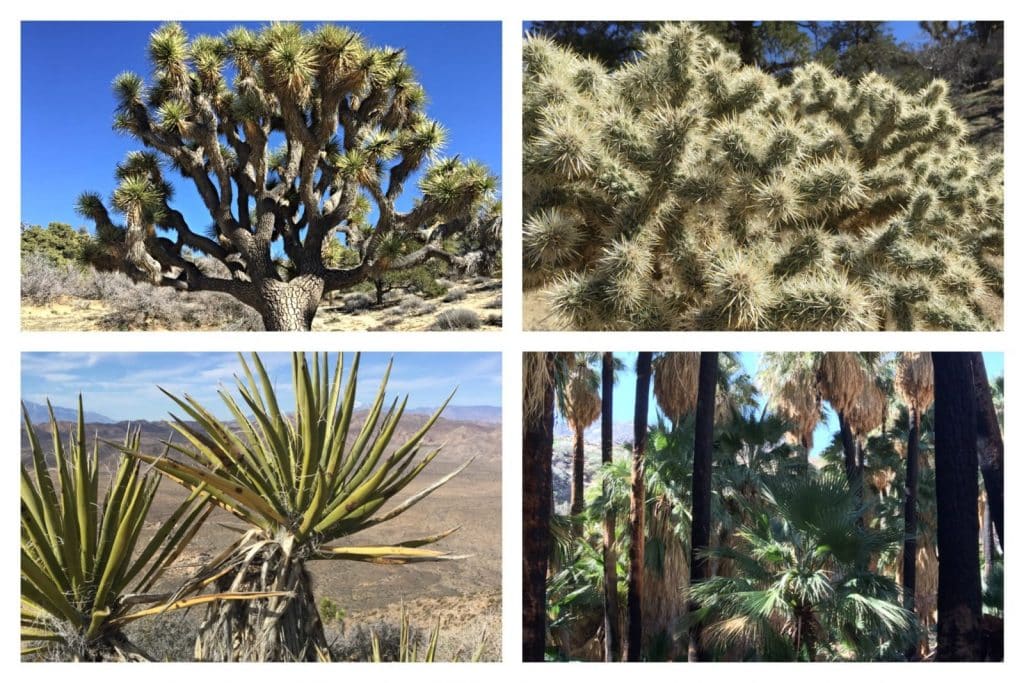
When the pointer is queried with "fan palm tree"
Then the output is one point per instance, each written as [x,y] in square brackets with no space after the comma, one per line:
[789,382]
[956,497]
[636,507]
[612,636]
[581,406]
[916,388]
[990,442]
[700,538]
[799,592]
[538,438]
[86,571]
[298,484]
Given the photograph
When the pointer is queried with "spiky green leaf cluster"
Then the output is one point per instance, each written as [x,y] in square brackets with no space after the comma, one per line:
[304,475]
[89,560]
[687,191]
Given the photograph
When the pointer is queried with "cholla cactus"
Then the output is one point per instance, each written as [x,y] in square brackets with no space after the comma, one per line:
[686,191]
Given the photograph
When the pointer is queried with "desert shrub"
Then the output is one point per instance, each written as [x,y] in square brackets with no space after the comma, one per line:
[455,294]
[57,242]
[493,319]
[168,637]
[410,305]
[494,303]
[356,645]
[330,611]
[357,301]
[141,306]
[456,319]
[44,281]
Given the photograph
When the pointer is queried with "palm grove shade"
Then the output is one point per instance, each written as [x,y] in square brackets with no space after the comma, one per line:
[687,191]
[290,137]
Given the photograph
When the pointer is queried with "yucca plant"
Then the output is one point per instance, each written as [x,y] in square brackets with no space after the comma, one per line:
[685,190]
[298,483]
[89,564]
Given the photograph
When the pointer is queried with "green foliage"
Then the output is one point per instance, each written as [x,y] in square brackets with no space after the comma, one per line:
[799,590]
[89,561]
[330,611]
[57,242]
[688,191]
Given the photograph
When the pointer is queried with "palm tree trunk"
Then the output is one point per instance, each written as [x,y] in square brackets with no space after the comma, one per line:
[636,508]
[612,637]
[538,442]
[990,443]
[910,519]
[987,541]
[576,493]
[850,457]
[703,443]
[956,498]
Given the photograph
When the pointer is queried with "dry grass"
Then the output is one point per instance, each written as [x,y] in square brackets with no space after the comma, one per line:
[73,301]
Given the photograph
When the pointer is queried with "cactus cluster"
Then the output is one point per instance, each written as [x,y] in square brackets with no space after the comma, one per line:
[687,191]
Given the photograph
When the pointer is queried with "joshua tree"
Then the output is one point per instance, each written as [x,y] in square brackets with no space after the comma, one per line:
[86,568]
[915,384]
[687,191]
[349,119]
[299,484]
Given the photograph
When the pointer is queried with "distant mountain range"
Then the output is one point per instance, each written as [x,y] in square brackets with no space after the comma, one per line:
[621,432]
[484,414]
[38,412]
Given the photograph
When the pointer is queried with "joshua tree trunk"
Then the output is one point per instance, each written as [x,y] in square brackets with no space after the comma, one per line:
[278,629]
[612,637]
[576,495]
[636,507]
[703,443]
[956,497]
[538,439]
[910,519]
[290,306]
[990,444]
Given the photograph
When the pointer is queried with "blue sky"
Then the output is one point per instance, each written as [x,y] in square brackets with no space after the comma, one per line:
[123,386]
[625,392]
[68,145]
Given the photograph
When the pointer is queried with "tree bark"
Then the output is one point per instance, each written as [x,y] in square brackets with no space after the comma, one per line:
[278,629]
[538,441]
[576,494]
[612,637]
[910,520]
[703,445]
[850,458]
[990,443]
[636,508]
[290,306]
[956,497]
